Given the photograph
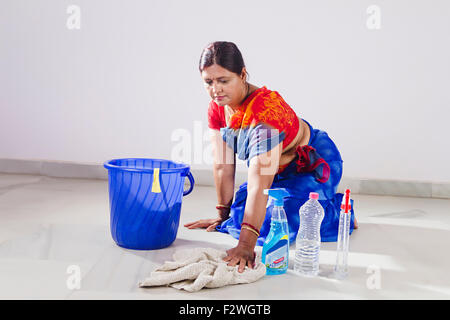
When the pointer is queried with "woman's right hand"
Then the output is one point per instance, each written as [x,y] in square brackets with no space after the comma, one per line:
[209,224]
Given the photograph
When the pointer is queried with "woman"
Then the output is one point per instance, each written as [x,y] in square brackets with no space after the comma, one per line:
[281,149]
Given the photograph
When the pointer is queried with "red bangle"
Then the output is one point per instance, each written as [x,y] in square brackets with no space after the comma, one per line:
[221,206]
[251,226]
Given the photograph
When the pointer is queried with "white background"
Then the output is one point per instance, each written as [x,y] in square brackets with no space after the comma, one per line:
[128,79]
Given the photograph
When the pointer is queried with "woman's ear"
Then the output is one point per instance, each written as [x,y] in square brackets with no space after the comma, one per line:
[244,74]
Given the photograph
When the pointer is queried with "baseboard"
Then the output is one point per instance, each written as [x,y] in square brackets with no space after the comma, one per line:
[204,177]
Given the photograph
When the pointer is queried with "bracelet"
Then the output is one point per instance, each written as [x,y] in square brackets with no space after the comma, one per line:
[252,230]
[248,226]
[222,206]
[251,226]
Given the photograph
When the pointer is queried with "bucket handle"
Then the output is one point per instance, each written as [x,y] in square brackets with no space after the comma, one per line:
[192,182]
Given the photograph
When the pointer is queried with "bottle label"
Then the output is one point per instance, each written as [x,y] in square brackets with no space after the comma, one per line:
[278,258]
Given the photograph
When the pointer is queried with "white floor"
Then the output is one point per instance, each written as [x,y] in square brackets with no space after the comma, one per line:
[50,228]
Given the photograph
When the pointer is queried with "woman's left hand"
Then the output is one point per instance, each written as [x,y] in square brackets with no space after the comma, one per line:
[242,255]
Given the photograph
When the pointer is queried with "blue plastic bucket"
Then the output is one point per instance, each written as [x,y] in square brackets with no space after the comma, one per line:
[145,201]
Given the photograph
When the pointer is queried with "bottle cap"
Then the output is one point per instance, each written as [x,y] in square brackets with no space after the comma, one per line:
[346,205]
[314,195]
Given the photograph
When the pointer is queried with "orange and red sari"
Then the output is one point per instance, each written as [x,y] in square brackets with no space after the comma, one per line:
[250,130]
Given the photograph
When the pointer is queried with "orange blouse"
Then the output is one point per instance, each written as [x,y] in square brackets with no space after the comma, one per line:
[263,107]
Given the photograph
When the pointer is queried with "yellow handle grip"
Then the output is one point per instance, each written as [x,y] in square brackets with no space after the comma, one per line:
[155,186]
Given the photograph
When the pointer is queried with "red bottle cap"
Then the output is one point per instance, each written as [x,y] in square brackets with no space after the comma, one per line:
[314,195]
[346,206]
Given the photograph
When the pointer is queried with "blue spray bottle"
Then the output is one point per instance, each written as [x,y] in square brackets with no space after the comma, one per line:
[275,252]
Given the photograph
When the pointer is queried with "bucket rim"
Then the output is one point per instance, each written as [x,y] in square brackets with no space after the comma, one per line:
[182,168]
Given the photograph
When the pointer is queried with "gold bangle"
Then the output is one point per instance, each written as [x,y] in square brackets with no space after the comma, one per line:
[248,228]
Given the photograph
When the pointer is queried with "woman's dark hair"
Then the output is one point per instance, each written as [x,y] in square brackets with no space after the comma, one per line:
[225,54]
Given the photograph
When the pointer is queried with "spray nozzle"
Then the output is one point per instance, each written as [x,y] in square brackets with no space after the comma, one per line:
[278,194]
[345,205]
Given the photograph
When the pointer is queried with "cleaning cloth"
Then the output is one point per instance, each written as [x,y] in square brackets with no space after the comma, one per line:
[198,268]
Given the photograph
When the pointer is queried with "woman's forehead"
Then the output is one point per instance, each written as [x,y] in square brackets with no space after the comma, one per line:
[216,72]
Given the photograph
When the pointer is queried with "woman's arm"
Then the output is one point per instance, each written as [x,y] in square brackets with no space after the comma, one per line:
[262,170]
[224,169]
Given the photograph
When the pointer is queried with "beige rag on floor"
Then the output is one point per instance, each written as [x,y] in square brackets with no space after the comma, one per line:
[194,269]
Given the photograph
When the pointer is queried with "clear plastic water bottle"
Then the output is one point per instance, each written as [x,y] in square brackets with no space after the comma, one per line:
[308,237]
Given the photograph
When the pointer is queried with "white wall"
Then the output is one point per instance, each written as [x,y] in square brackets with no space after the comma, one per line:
[128,79]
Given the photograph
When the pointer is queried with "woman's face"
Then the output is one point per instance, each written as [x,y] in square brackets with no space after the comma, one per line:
[223,86]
